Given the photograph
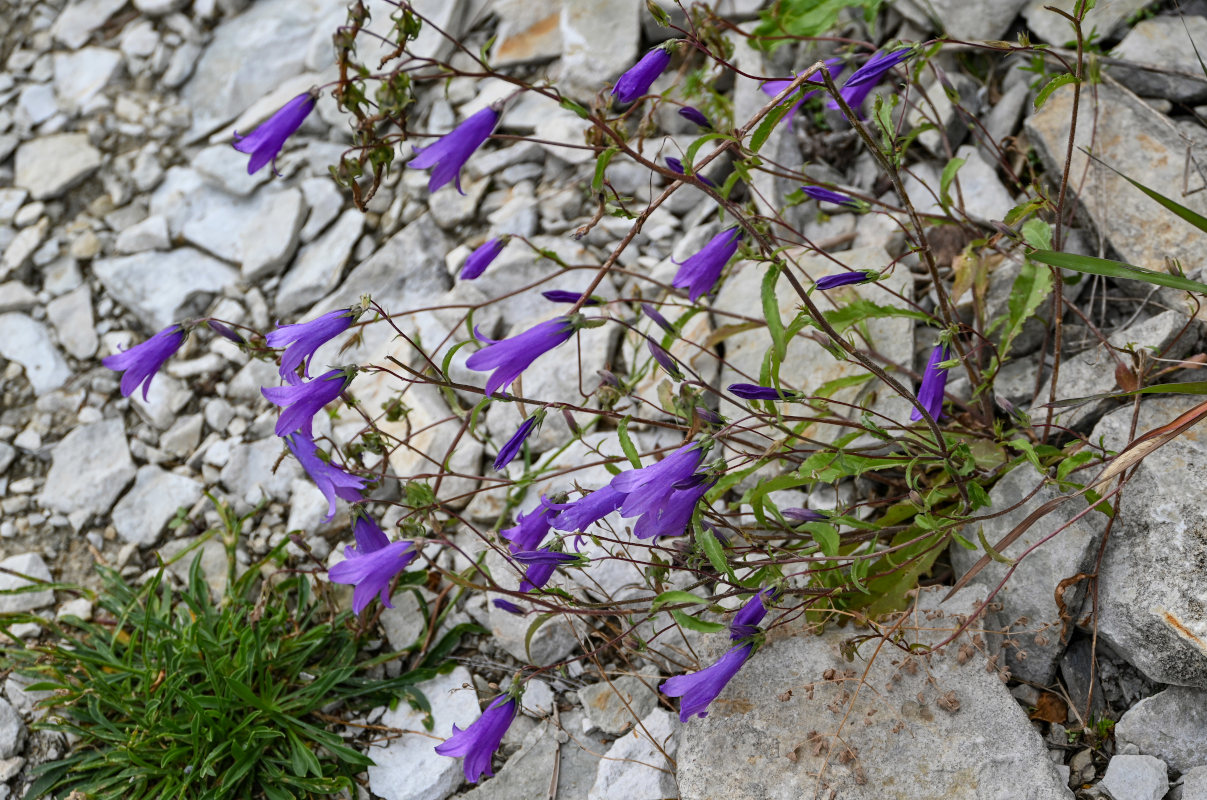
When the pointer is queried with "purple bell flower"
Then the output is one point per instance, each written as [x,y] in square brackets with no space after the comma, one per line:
[332,481]
[265,142]
[225,331]
[142,361]
[664,359]
[700,273]
[563,296]
[934,381]
[647,488]
[773,88]
[752,391]
[637,81]
[482,738]
[746,621]
[677,167]
[510,357]
[512,448]
[863,80]
[544,556]
[692,114]
[508,606]
[453,149]
[300,402]
[302,339]
[670,518]
[699,689]
[481,258]
[824,195]
[804,515]
[845,279]
[371,565]
[531,528]
[587,510]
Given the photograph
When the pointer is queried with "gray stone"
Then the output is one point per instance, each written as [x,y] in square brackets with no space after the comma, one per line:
[308,508]
[408,768]
[150,234]
[1171,725]
[640,766]
[985,198]
[1135,778]
[451,209]
[226,82]
[1106,17]
[1148,606]
[71,315]
[12,731]
[35,105]
[317,269]
[30,564]
[158,8]
[182,438]
[259,233]
[615,708]
[1142,145]
[24,245]
[80,76]
[528,32]
[90,469]
[1003,116]
[27,342]
[527,774]
[948,715]
[404,623]
[960,19]
[10,201]
[325,201]
[599,41]
[16,296]
[1165,43]
[253,471]
[163,288]
[1194,784]
[76,23]
[50,165]
[229,173]
[538,699]
[165,398]
[151,503]
[1030,616]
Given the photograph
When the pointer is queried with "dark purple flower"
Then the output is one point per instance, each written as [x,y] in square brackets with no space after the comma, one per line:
[845,279]
[804,514]
[265,142]
[482,738]
[746,621]
[934,381]
[822,194]
[637,81]
[752,391]
[677,167]
[664,359]
[562,296]
[544,556]
[508,606]
[371,565]
[142,361]
[510,357]
[225,331]
[648,488]
[658,319]
[531,528]
[701,688]
[700,273]
[481,258]
[773,88]
[302,339]
[301,401]
[587,510]
[708,416]
[332,481]
[864,79]
[671,516]
[509,451]
[453,149]
[692,114]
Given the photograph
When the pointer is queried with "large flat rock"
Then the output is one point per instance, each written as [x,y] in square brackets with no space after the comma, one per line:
[163,288]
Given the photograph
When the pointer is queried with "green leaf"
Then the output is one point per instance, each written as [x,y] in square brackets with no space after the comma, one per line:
[601,165]
[570,105]
[1116,269]
[777,114]
[993,554]
[1182,211]
[949,174]
[1189,387]
[859,310]
[712,548]
[626,443]
[1031,288]
[676,596]
[1060,80]
[692,623]
[807,18]
[826,537]
[1038,234]
[771,312]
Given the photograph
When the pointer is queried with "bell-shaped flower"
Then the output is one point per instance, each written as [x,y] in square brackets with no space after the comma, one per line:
[746,622]
[693,114]
[824,195]
[647,488]
[512,446]
[371,564]
[587,510]
[563,296]
[142,361]
[510,357]
[637,81]
[478,743]
[332,481]
[302,339]
[531,528]
[845,279]
[863,80]
[773,88]
[482,257]
[265,142]
[699,689]
[451,151]
[300,402]
[672,515]
[752,391]
[700,273]
[677,167]
[934,381]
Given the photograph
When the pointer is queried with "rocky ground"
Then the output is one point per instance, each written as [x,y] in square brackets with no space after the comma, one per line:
[124,209]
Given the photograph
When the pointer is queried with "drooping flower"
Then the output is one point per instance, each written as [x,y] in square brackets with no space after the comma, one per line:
[672,515]
[752,391]
[746,622]
[482,738]
[664,359]
[301,401]
[845,279]
[934,381]
[637,81]
[588,509]
[700,273]
[657,317]
[453,149]
[481,258]
[225,331]
[265,142]
[692,114]
[804,514]
[773,88]
[371,564]
[509,450]
[864,79]
[142,361]
[824,195]
[332,481]
[563,296]
[531,528]
[699,689]
[302,339]
[510,357]
[647,488]
[677,167]
[508,606]
[541,564]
